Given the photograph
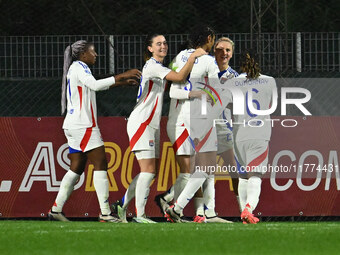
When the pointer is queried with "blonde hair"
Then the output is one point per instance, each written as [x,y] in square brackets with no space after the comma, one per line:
[224,39]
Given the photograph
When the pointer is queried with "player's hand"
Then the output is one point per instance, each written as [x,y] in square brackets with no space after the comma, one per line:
[198,94]
[127,82]
[132,74]
[199,52]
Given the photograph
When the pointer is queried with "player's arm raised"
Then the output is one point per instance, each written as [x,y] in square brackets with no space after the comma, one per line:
[184,72]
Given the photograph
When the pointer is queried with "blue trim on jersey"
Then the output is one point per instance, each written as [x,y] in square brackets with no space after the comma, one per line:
[230,70]
[71,150]
[190,87]
[86,68]
[69,90]
[221,73]
[156,61]
[140,88]
[192,142]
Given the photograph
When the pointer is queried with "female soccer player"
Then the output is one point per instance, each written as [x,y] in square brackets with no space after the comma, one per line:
[81,126]
[185,121]
[223,50]
[144,121]
[251,139]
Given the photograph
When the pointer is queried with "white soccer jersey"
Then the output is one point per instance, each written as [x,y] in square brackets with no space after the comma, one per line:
[81,96]
[204,67]
[148,109]
[186,121]
[224,128]
[251,126]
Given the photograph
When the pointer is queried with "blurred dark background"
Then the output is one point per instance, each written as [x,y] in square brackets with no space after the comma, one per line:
[43,17]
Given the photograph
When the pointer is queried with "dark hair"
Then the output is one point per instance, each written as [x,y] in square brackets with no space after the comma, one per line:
[249,64]
[199,36]
[71,53]
[148,42]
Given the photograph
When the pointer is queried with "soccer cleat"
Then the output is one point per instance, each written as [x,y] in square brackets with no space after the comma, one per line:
[108,218]
[248,218]
[143,219]
[56,216]
[119,211]
[161,203]
[216,219]
[172,215]
[199,219]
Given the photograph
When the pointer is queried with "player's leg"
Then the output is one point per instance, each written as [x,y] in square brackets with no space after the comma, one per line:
[257,159]
[78,162]
[163,200]
[209,159]
[257,165]
[147,166]
[148,161]
[240,158]
[186,167]
[196,180]
[101,184]
[77,166]
[199,206]
[183,150]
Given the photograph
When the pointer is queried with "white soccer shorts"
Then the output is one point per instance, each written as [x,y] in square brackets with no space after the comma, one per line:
[84,139]
[252,156]
[144,138]
[184,144]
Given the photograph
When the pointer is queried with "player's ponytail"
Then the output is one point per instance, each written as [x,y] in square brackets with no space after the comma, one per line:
[249,64]
[71,53]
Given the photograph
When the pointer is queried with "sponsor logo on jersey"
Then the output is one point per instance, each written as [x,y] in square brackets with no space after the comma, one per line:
[151,143]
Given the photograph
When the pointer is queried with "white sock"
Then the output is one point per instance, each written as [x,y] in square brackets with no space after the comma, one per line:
[101,185]
[195,182]
[142,192]
[199,205]
[180,183]
[130,193]
[169,196]
[65,190]
[209,196]
[253,191]
[242,192]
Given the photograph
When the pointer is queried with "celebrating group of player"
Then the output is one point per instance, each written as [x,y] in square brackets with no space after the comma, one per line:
[201,92]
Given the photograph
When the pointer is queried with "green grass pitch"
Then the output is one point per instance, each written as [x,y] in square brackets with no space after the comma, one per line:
[79,237]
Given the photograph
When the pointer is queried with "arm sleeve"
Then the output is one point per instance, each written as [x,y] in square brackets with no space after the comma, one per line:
[89,81]
[178,93]
[160,71]
[101,84]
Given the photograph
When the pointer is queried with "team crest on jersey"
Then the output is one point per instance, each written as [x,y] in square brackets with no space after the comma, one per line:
[151,143]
